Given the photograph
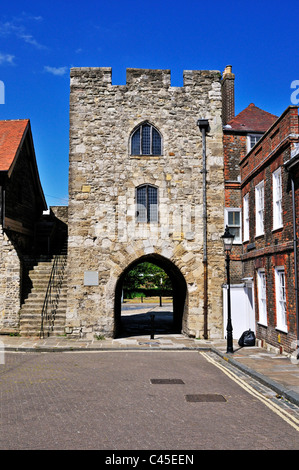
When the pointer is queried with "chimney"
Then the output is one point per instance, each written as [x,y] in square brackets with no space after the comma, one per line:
[228,95]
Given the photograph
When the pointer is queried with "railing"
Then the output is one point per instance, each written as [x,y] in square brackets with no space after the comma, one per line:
[52,295]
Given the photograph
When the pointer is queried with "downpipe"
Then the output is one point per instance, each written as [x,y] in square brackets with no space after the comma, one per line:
[295,255]
[203,125]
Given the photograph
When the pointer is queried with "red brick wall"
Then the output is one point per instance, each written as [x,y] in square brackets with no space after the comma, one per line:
[234,149]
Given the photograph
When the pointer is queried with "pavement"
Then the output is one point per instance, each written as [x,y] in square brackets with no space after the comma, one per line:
[277,371]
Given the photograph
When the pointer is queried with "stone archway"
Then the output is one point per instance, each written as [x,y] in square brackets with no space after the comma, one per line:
[178,284]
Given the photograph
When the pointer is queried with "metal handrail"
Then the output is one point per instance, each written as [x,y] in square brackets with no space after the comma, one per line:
[52,295]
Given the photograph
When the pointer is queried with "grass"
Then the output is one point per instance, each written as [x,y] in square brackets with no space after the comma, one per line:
[148,300]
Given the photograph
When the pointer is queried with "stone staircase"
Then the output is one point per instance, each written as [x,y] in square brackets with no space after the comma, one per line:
[30,314]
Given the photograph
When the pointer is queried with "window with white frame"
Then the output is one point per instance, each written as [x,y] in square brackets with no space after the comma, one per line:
[147,203]
[259,209]
[246,217]
[280,290]
[262,297]
[277,199]
[232,218]
[252,139]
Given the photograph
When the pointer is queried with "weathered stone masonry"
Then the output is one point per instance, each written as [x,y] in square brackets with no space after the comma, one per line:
[104,238]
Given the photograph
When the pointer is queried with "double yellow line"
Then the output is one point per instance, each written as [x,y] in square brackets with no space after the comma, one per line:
[294,422]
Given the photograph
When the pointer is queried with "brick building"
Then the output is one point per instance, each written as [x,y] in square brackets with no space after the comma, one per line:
[240,134]
[270,200]
[22,203]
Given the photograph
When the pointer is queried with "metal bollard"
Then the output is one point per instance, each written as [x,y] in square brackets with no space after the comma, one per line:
[152,326]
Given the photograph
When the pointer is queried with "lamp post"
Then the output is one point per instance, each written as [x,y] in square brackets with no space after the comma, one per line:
[228,239]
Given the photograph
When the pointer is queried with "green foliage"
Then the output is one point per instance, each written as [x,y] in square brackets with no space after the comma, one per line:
[146,275]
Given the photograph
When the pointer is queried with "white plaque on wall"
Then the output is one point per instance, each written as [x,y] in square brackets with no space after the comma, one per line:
[91,278]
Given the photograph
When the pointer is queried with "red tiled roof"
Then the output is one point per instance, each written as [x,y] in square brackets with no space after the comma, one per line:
[11,136]
[252,118]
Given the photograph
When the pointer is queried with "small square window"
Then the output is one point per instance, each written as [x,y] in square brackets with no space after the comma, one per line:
[232,218]
[252,139]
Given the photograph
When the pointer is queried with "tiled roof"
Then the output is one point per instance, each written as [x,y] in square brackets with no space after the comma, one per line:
[251,119]
[11,136]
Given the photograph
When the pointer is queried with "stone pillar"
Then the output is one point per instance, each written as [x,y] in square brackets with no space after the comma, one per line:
[228,95]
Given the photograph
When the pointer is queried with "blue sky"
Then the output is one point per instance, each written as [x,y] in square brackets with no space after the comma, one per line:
[41,41]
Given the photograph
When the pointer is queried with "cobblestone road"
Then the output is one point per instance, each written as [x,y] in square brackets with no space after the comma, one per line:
[106,400]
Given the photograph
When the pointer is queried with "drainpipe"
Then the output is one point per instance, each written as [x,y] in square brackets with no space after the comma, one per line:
[290,166]
[203,125]
[295,253]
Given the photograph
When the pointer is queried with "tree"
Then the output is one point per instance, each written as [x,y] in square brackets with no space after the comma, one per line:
[146,275]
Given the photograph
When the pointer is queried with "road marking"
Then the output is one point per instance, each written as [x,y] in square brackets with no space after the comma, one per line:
[294,422]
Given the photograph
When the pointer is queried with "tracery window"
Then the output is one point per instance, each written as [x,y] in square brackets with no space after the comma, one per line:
[146,140]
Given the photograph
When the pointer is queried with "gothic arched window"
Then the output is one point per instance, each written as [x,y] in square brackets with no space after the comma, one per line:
[146,140]
[147,203]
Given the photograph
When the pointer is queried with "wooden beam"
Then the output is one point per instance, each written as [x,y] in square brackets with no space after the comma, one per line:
[16,226]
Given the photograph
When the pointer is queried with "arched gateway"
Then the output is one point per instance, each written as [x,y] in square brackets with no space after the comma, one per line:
[179,288]
[136,192]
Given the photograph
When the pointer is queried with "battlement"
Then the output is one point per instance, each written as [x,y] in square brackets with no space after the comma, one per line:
[142,78]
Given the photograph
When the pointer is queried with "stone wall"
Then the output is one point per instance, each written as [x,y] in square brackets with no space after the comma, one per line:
[10,286]
[104,238]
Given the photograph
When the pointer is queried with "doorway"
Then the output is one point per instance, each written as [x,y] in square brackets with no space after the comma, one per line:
[150,298]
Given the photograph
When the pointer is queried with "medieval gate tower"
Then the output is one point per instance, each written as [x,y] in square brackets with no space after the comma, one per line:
[145,184]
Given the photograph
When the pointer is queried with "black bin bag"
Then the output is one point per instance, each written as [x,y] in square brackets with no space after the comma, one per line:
[247,339]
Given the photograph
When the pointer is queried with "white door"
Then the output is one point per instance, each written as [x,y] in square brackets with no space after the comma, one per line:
[242,309]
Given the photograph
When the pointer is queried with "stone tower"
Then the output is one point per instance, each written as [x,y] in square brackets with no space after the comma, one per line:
[136,193]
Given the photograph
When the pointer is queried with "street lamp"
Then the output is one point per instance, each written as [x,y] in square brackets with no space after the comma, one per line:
[228,239]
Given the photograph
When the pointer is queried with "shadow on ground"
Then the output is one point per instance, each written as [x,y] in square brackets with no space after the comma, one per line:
[135,321]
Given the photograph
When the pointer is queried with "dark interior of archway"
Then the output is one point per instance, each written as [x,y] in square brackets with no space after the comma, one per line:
[172,325]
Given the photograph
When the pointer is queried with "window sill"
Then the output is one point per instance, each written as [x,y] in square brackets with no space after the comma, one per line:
[277,229]
[140,222]
[265,325]
[281,329]
[145,157]
[260,235]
